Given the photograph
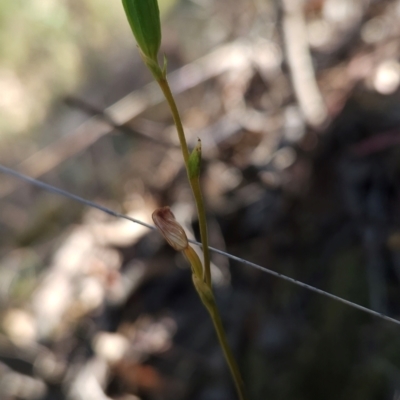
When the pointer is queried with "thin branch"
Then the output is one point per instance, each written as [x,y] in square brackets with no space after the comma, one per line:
[89,203]
[126,109]
[300,62]
[136,127]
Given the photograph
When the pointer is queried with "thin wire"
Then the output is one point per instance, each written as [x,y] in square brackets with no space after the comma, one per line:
[71,196]
[89,203]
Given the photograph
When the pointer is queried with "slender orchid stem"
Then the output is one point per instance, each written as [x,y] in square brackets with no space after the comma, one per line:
[202,277]
[215,316]
[207,297]
[194,182]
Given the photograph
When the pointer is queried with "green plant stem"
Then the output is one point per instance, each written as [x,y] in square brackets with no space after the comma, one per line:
[194,183]
[230,359]
[202,283]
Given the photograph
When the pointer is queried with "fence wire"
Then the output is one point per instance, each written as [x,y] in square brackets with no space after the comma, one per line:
[64,193]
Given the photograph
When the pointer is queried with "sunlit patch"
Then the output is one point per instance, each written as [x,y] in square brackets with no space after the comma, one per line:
[20,327]
[387,77]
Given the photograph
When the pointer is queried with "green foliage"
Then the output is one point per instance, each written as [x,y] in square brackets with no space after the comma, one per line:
[144,19]
[195,161]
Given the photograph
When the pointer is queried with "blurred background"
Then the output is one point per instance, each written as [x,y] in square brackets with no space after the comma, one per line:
[297,106]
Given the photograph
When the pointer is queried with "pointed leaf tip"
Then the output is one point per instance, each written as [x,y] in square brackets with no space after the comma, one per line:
[195,161]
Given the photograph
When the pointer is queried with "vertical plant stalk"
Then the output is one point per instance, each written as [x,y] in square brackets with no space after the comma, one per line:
[176,237]
[202,275]
[230,359]
[207,297]
[144,19]
[194,181]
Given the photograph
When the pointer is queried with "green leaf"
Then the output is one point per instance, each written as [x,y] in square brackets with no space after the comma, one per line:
[205,293]
[195,161]
[144,19]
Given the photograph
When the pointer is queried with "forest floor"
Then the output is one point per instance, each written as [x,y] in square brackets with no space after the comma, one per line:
[297,107]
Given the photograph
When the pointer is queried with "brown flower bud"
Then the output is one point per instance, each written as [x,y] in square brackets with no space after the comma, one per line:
[168,226]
